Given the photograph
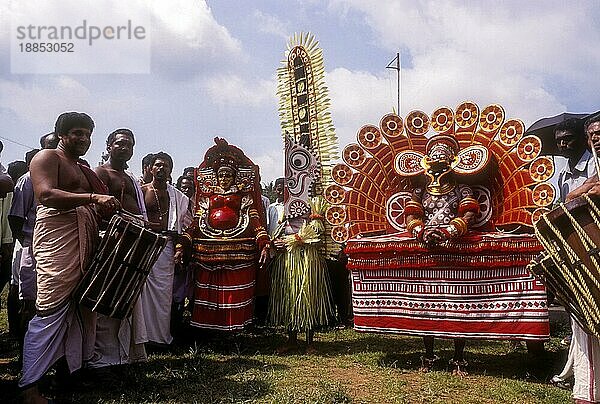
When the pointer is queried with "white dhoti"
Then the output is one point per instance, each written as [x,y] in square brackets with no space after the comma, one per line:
[63,243]
[156,297]
[122,341]
[157,293]
[67,332]
[585,352]
[119,342]
[583,363]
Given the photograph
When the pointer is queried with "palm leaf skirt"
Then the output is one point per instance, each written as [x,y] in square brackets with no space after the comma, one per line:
[301,296]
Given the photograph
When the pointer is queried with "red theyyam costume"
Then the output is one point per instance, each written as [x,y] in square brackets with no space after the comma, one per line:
[226,236]
[473,284]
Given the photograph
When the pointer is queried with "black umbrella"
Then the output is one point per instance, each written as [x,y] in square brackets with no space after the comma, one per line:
[544,129]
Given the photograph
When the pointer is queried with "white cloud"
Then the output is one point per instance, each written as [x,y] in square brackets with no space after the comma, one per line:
[36,104]
[448,79]
[41,101]
[358,98]
[271,165]
[270,24]
[487,52]
[188,41]
[504,33]
[192,22]
[233,90]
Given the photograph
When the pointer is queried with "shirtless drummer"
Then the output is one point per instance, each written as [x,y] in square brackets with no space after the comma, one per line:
[64,239]
[120,341]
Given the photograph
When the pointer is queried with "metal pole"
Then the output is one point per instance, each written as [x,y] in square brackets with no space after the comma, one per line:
[397,68]
[398,71]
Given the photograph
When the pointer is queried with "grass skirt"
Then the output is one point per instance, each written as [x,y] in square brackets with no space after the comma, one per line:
[301,296]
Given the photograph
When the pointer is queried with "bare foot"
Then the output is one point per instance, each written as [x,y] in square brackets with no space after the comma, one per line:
[460,373]
[459,367]
[427,363]
[560,383]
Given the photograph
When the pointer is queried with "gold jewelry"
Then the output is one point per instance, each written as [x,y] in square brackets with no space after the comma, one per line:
[261,233]
[436,188]
[460,224]
[160,212]
[413,224]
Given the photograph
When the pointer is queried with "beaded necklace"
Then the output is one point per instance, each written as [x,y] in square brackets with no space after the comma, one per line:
[160,212]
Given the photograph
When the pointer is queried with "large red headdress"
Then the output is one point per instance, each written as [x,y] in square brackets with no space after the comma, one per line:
[224,154]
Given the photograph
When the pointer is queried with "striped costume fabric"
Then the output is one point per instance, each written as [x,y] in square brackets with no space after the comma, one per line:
[475,287]
[224,287]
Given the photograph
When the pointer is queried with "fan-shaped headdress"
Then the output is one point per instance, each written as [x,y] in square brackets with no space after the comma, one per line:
[505,169]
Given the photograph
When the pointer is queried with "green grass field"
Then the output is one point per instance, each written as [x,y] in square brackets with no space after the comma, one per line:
[350,367]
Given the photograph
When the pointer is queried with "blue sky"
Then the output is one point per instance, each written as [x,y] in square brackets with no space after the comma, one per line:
[213,69]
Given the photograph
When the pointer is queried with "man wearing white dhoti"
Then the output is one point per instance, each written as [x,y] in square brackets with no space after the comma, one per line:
[121,341]
[168,212]
[583,362]
[63,242]
[183,278]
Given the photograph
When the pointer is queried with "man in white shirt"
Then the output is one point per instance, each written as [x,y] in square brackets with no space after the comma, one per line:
[572,144]
[275,210]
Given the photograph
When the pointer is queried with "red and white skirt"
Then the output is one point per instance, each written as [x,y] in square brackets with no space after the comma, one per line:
[224,284]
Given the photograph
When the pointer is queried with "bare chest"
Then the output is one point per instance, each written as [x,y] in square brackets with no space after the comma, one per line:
[72,179]
[157,204]
[121,187]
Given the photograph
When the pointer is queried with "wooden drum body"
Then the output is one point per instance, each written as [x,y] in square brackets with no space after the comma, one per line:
[570,265]
[113,281]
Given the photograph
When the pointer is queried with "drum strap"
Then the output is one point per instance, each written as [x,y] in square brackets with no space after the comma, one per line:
[98,187]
